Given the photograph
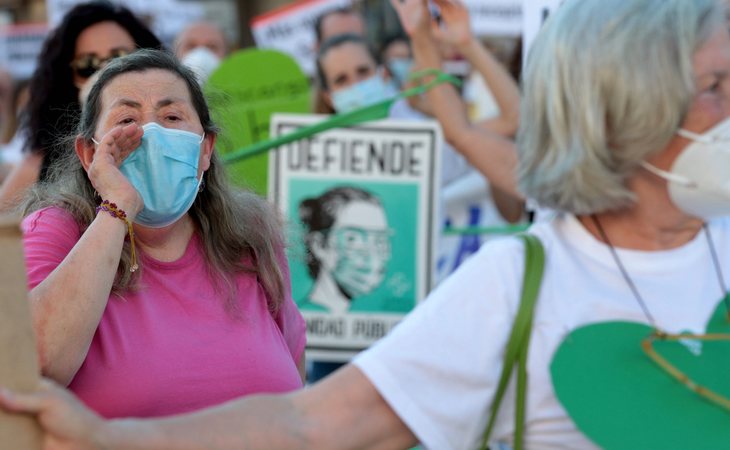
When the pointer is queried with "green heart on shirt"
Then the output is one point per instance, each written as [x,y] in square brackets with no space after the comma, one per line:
[621,399]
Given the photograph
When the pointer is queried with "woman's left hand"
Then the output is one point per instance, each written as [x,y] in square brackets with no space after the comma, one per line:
[66,422]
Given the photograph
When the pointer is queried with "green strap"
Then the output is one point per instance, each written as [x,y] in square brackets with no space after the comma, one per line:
[369,113]
[519,341]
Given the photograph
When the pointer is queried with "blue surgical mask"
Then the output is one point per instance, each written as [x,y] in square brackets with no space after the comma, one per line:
[361,94]
[164,170]
[400,68]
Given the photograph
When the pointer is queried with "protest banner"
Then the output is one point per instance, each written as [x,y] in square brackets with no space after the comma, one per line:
[18,358]
[495,17]
[361,204]
[243,92]
[20,46]
[290,29]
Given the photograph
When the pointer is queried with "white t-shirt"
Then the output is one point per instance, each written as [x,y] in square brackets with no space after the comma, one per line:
[440,367]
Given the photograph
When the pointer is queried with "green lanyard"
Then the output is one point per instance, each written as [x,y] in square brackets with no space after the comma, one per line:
[377,111]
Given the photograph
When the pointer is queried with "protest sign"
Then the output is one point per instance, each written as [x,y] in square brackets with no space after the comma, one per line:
[18,358]
[495,17]
[361,204]
[20,46]
[243,92]
[534,13]
[290,29]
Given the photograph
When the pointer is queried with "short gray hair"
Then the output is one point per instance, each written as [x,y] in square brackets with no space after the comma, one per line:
[607,83]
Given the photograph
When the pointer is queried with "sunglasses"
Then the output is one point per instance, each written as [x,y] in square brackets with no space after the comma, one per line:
[85,66]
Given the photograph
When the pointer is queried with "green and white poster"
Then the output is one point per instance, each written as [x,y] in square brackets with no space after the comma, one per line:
[243,92]
[360,205]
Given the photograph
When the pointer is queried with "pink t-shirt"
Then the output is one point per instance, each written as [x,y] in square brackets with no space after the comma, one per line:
[171,346]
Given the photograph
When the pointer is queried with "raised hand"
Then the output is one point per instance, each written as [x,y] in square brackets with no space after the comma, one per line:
[455,28]
[414,15]
[103,169]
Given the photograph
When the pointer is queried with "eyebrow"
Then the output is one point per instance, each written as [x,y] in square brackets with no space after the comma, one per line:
[134,104]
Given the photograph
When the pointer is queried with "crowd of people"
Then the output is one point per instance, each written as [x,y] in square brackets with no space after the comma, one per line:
[161,297]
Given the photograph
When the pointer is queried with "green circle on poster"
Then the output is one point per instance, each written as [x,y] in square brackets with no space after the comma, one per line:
[621,399]
[243,92]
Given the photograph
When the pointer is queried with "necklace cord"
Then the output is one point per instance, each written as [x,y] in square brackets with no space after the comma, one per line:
[624,273]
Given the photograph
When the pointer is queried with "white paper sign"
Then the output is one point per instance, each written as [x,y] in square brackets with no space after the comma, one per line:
[495,17]
[361,203]
[20,46]
[291,29]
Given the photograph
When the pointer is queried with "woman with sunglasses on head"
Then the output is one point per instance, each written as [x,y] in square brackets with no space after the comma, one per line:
[88,37]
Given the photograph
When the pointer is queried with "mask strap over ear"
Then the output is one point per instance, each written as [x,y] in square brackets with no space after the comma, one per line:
[674,178]
[692,136]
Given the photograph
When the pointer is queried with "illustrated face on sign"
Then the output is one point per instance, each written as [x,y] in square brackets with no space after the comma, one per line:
[360,243]
[357,248]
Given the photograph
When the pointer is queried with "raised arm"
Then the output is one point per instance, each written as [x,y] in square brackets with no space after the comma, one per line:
[457,32]
[493,155]
[68,304]
[343,411]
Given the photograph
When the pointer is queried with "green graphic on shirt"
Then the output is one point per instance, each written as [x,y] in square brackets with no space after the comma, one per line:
[243,92]
[371,257]
[621,399]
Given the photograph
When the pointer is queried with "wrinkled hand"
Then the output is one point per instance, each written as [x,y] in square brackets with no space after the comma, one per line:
[67,424]
[414,16]
[104,172]
[455,28]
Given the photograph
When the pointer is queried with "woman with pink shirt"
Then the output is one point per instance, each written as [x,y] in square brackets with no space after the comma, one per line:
[155,288]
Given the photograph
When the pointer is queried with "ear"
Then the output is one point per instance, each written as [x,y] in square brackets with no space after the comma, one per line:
[319,248]
[85,151]
[207,151]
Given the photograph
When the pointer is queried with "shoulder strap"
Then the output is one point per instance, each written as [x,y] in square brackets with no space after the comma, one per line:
[519,340]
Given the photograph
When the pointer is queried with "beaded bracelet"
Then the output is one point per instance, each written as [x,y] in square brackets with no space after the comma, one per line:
[118,213]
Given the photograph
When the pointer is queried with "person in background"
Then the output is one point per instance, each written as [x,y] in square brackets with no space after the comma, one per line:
[326,26]
[397,59]
[155,287]
[201,46]
[88,37]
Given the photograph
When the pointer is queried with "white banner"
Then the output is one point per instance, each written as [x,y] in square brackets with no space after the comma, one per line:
[291,29]
[495,17]
[20,46]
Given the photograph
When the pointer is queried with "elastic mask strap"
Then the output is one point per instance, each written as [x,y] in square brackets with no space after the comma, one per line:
[692,136]
[674,178]
[94,141]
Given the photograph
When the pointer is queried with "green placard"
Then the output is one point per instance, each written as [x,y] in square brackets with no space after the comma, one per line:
[621,399]
[243,92]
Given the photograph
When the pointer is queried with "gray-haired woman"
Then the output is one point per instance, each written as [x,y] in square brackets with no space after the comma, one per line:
[153,284]
[626,112]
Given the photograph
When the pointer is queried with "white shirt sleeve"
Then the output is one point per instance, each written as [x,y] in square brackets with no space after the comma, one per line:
[440,367]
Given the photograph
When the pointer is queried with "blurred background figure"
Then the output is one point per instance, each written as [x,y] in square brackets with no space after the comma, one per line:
[327,26]
[201,46]
[88,37]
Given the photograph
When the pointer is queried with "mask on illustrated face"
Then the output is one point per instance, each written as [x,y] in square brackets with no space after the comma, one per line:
[361,94]
[202,61]
[362,256]
[164,170]
[699,183]
[400,68]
